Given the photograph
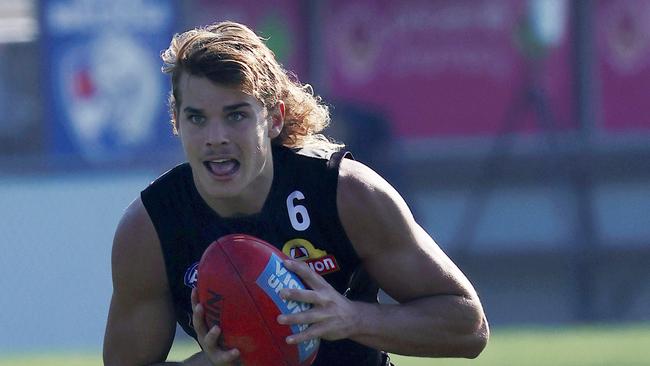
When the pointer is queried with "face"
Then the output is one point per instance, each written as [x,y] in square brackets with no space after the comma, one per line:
[226,135]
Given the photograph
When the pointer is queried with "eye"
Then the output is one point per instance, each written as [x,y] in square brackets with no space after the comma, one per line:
[236,116]
[196,119]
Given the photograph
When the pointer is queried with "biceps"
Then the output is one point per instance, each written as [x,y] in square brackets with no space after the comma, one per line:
[416,268]
[138,332]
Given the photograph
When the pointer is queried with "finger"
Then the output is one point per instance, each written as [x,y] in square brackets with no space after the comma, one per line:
[211,339]
[225,357]
[217,354]
[307,296]
[198,320]
[312,332]
[194,297]
[311,278]
[304,317]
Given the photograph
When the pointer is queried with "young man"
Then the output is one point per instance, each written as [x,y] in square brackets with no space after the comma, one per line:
[251,136]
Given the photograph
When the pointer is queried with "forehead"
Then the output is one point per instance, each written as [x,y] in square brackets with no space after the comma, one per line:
[201,92]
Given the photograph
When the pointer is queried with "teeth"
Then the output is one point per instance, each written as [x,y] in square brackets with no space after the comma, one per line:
[220,160]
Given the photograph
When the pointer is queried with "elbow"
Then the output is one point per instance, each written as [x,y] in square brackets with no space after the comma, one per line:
[477,340]
[468,339]
[476,346]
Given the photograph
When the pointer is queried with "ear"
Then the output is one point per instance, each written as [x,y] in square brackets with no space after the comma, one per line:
[276,120]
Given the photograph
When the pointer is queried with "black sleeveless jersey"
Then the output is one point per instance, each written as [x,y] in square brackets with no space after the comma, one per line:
[299,217]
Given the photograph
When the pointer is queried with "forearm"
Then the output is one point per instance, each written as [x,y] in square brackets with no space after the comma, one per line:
[440,326]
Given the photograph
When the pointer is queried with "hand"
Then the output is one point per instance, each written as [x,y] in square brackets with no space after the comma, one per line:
[332,316]
[208,339]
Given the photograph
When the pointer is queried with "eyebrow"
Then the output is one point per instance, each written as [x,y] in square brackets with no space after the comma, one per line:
[190,110]
[228,108]
[233,107]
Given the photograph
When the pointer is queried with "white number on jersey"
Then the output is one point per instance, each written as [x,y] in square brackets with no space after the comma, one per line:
[297,213]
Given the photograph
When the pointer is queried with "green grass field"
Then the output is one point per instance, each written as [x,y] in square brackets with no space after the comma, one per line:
[577,346]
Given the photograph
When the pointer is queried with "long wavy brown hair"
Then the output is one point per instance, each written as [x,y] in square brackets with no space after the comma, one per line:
[232,54]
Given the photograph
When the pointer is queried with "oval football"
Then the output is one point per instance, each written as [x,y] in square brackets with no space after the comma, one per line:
[239,279]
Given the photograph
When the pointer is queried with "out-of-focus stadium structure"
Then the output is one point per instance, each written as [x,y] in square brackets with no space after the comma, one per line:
[518,131]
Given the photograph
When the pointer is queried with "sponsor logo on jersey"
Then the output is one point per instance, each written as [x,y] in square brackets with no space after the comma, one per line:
[274,278]
[191,275]
[304,250]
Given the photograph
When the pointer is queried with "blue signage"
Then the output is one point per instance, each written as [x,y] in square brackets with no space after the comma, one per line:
[105,91]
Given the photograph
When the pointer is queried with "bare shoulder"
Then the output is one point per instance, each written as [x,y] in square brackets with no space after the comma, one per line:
[137,260]
[366,201]
[140,326]
[395,250]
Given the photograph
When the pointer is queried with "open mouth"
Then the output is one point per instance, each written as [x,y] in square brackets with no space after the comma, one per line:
[222,168]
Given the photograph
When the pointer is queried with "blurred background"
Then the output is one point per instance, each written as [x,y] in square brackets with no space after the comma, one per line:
[518,131]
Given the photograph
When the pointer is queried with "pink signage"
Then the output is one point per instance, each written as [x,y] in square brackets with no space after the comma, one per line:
[279,21]
[450,68]
[623,43]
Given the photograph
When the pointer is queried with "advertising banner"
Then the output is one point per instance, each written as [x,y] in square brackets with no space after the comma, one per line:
[452,68]
[20,100]
[623,65]
[106,94]
[281,22]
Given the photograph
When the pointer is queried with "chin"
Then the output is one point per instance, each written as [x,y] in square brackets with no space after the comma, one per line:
[228,189]
[214,188]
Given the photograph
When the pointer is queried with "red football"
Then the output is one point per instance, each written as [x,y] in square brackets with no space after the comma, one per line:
[239,279]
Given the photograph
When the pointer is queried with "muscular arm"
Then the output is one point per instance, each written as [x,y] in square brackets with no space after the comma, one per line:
[439,314]
[141,322]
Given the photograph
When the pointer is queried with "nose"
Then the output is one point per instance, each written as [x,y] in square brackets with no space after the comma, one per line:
[217,134]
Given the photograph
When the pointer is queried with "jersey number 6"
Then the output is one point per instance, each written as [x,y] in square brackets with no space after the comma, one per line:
[297,213]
